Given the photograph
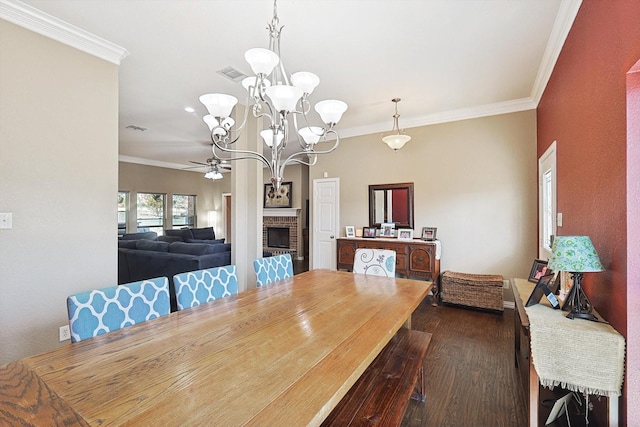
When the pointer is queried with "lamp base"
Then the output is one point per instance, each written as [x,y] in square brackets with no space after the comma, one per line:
[577,301]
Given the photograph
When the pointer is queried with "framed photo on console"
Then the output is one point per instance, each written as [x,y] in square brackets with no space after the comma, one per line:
[369,232]
[538,270]
[429,233]
[350,231]
[542,288]
[405,234]
[280,198]
[387,229]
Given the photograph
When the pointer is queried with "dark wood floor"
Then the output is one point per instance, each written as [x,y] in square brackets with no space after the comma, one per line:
[470,376]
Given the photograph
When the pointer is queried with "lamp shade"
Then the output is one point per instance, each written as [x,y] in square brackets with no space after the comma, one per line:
[574,254]
[284,97]
[331,110]
[267,136]
[305,81]
[262,61]
[312,134]
[219,104]
[396,141]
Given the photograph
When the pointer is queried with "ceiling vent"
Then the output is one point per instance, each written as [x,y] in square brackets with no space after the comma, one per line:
[232,74]
[134,127]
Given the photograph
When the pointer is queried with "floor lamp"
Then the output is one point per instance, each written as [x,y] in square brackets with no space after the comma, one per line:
[576,255]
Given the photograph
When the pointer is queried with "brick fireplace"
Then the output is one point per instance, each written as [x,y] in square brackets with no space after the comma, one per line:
[282,219]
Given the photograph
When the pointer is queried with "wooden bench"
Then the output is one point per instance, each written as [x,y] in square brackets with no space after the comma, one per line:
[381,395]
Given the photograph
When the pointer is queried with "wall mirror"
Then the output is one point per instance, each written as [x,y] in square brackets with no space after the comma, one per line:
[391,203]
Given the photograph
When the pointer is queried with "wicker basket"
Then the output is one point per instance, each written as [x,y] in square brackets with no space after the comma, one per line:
[473,290]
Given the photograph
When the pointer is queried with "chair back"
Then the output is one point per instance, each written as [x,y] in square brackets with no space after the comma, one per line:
[99,311]
[197,287]
[273,268]
[376,262]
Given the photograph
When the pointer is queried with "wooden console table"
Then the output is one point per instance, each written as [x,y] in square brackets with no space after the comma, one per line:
[541,331]
[415,259]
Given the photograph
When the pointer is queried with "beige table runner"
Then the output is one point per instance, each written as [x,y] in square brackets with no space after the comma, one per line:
[578,355]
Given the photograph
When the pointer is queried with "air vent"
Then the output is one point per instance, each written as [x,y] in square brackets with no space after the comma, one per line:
[232,74]
[134,127]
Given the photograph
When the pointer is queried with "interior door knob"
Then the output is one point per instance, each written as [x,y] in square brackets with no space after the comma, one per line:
[332,237]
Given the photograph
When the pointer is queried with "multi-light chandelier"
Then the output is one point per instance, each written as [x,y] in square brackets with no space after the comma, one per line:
[396,140]
[283,103]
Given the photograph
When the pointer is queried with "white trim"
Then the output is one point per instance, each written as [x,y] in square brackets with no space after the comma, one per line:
[548,161]
[280,212]
[561,27]
[48,25]
[509,305]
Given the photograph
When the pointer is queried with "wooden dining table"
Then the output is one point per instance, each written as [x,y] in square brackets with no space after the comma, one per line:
[281,354]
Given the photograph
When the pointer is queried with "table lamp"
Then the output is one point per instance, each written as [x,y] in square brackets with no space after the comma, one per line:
[576,255]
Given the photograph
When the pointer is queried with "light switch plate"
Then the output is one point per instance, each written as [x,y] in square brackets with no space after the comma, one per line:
[559,220]
[6,221]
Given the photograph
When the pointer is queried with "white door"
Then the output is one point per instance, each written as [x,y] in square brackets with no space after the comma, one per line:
[547,215]
[326,211]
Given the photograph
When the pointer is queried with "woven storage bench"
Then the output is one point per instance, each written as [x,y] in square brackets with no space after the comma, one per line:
[473,290]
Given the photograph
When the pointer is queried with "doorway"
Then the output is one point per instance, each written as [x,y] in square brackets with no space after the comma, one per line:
[326,217]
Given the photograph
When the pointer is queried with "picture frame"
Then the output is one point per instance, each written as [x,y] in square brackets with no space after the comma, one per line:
[369,232]
[429,233]
[542,288]
[405,234]
[280,198]
[538,269]
[387,229]
[350,231]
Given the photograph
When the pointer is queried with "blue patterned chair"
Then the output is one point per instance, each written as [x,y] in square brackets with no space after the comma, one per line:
[197,287]
[273,268]
[376,262]
[99,311]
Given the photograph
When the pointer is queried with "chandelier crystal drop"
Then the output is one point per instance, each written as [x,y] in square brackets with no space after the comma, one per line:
[283,104]
[396,140]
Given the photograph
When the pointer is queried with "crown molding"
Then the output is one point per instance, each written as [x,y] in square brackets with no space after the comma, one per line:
[561,27]
[479,111]
[147,162]
[49,26]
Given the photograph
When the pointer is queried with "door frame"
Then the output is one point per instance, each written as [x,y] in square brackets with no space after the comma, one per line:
[314,240]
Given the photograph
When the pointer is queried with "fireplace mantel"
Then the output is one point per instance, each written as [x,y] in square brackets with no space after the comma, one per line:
[280,211]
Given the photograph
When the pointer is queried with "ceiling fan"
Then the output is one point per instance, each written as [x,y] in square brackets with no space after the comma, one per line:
[213,166]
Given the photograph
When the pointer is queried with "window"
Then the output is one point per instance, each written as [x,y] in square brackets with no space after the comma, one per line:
[547,200]
[123,211]
[151,212]
[184,211]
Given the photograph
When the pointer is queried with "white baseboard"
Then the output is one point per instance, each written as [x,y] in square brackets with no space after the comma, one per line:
[509,304]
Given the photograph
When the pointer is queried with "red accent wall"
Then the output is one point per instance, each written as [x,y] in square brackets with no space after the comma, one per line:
[399,205]
[584,109]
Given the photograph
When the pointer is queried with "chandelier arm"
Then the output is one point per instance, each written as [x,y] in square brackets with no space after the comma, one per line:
[245,154]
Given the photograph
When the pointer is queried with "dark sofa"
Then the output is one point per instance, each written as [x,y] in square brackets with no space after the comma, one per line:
[191,235]
[145,259]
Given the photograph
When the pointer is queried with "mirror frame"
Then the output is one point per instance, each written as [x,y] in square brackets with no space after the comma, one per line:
[405,185]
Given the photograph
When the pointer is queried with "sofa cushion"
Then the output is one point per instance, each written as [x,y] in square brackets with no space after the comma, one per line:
[207,241]
[128,244]
[149,245]
[190,248]
[169,239]
[148,235]
[203,233]
[174,233]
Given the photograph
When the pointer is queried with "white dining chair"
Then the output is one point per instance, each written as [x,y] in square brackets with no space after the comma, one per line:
[375,262]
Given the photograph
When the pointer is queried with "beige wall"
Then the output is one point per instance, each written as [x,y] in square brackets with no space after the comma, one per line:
[58,176]
[136,178]
[475,180]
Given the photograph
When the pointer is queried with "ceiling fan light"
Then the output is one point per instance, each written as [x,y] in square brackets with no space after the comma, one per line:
[396,141]
[311,135]
[219,104]
[262,61]
[267,136]
[284,97]
[305,81]
[331,110]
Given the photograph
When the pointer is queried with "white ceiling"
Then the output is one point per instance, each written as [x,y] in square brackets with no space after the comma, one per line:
[446,59]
